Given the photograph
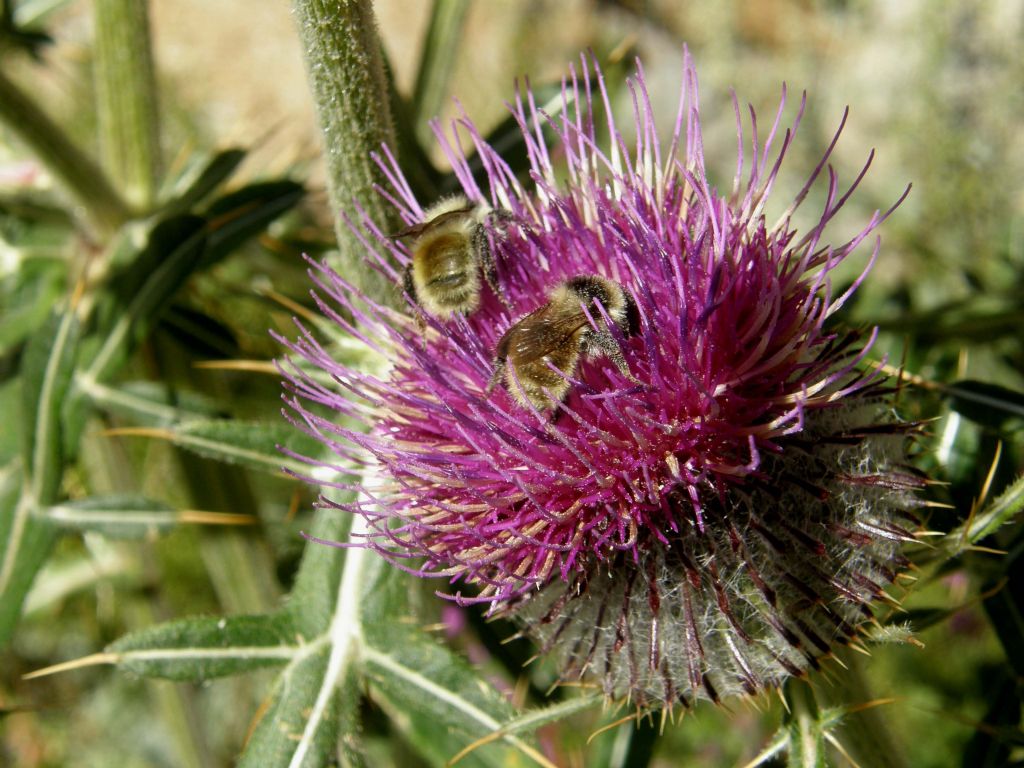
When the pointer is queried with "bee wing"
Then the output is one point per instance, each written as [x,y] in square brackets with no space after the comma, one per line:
[545,332]
[423,226]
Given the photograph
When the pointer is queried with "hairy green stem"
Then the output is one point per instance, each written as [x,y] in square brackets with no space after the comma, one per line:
[126,98]
[866,731]
[54,149]
[346,71]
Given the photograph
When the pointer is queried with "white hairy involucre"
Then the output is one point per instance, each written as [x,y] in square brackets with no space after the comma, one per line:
[775,580]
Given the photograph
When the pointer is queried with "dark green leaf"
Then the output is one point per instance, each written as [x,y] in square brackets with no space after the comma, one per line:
[1005,603]
[961,321]
[240,215]
[203,178]
[201,334]
[444,36]
[139,294]
[30,41]
[419,171]
[988,748]
[987,404]
[508,141]
[202,648]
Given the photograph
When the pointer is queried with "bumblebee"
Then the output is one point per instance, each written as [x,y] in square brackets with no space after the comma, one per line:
[538,354]
[450,250]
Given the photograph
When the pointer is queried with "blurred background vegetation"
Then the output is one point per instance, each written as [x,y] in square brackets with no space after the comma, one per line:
[175,420]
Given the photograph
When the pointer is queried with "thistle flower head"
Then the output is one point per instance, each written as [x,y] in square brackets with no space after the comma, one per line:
[704,503]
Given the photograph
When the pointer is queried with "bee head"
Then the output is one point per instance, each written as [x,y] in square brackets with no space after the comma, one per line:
[617,302]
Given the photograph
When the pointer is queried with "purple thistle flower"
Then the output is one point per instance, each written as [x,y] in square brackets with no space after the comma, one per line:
[706,522]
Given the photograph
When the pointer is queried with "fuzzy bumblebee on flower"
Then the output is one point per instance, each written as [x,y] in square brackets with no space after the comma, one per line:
[615,410]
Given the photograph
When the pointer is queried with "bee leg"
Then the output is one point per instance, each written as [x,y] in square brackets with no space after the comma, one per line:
[482,248]
[499,370]
[408,285]
[410,290]
[501,216]
[555,413]
[606,343]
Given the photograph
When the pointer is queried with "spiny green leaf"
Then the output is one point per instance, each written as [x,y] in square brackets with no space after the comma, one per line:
[806,744]
[776,746]
[533,720]
[317,694]
[24,545]
[129,517]
[1000,511]
[202,648]
[902,626]
[313,599]
[299,726]
[991,518]
[250,444]
[148,403]
[349,701]
[25,540]
[46,372]
[439,701]
[113,516]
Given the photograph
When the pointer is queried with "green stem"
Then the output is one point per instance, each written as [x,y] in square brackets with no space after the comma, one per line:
[126,98]
[867,734]
[346,71]
[54,149]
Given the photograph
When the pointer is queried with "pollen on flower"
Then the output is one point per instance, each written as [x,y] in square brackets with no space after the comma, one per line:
[700,488]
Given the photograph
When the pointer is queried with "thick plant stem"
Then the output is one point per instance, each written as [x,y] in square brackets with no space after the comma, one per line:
[126,98]
[866,731]
[54,149]
[346,71]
